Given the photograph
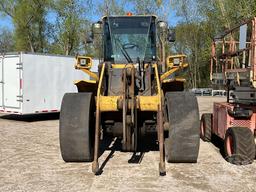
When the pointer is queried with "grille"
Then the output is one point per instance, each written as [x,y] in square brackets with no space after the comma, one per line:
[241,123]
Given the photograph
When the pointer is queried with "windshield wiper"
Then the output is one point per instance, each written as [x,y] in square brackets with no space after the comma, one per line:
[124,52]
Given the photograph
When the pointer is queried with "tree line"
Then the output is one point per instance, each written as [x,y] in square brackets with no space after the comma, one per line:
[200,22]
[60,26]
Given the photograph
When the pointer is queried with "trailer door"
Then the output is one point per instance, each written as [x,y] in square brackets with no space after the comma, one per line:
[12,73]
[1,81]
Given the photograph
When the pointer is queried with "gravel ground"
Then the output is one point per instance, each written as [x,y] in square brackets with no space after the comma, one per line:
[30,161]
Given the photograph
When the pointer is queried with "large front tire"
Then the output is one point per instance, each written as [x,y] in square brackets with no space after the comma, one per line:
[76,129]
[182,145]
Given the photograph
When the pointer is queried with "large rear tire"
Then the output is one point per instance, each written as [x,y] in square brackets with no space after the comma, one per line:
[239,145]
[182,145]
[206,127]
[76,129]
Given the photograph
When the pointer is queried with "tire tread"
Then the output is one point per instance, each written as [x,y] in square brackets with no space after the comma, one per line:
[244,145]
[76,127]
[182,145]
[207,123]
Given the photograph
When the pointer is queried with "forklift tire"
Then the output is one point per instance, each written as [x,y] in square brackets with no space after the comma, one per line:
[206,127]
[239,145]
[76,129]
[182,144]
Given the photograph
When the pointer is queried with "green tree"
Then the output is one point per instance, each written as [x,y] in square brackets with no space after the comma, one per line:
[224,14]
[192,40]
[201,21]
[6,41]
[29,19]
[70,27]
[111,7]
[146,6]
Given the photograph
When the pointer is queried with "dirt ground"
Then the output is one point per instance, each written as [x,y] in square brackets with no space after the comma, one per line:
[30,160]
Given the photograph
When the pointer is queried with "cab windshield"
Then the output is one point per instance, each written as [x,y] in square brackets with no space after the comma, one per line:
[129,39]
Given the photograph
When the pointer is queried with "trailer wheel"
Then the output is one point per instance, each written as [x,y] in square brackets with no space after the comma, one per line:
[76,127]
[206,127]
[182,144]
[239,145]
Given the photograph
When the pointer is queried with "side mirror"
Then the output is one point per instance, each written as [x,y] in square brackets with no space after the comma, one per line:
[162,27]
[171,37]
[97,28]
[83,62]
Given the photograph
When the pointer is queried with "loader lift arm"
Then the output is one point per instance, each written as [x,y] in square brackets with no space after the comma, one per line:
[129,104]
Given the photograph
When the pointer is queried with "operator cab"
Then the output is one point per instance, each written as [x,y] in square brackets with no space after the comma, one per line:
[131,39]
[128,39]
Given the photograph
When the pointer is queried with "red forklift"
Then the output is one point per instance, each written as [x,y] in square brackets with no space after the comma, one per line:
[233,67]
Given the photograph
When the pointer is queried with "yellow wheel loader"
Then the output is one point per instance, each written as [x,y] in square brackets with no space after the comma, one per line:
[136,93]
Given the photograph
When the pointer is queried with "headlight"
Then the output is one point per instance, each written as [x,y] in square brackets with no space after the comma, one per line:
[83,62]
[176,61]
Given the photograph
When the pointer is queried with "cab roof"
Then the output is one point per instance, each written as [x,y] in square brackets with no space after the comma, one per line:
[128,16]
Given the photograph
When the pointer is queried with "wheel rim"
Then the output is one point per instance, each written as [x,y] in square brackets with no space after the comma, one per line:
[229,145]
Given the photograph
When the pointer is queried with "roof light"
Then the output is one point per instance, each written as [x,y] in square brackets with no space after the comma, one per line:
[129,14]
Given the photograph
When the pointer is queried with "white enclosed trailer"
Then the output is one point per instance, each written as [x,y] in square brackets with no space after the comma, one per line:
[35,83]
